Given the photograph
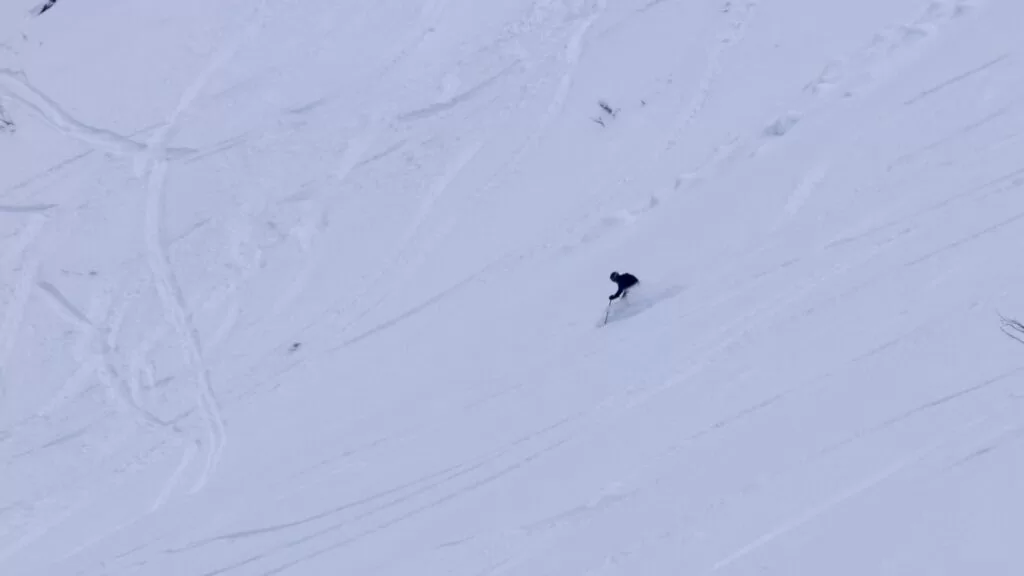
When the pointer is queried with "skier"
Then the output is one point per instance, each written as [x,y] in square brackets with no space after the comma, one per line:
[624,282]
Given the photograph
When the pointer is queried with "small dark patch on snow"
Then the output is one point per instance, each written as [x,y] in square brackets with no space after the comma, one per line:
[1012,328]
[44,7]
[295,346]
[6,124]
[607,109]
[782,125]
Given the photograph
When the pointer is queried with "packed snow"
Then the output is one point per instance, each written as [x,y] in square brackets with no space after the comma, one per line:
[320,288]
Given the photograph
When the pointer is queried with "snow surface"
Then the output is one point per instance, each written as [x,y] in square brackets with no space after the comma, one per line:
[314,288]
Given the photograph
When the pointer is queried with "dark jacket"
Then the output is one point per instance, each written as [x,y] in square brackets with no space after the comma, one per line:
[624,281]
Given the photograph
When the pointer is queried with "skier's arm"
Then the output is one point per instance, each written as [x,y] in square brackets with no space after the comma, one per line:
[617,294]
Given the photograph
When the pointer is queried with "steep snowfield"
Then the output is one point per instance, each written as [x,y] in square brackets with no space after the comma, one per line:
[315,288]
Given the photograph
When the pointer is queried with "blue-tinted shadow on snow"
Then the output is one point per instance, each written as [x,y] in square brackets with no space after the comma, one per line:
[639,300]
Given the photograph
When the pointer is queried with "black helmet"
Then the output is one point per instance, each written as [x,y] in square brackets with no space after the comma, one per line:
[615,276]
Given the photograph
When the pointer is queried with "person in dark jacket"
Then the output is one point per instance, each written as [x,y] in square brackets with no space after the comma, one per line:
[624,282]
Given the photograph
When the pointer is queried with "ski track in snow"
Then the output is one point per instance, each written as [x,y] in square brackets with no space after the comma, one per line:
[428,20]
[16,87]
[1005,182]
[867,484]
[225,327]
[573,52]
[50,171]
[177,314]
[1009,434]
[72,388]
[24,267]
[610,497]
[188,453]
[392,273]
[956,79]
[810,182]
[101,360]
[175,308]
[26,208]
[31,535]
[962,131]
[76,499]
[735,147]
[989,229]
[890,51]
[440,107]
[318,207]
[393,506]
[173,153]
[95,354]
[571,55]
[916,410]
[871,481]
[62,497]
[736,30]
[715,345]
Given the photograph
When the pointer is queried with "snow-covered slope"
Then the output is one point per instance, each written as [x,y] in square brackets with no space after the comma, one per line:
[316,288]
